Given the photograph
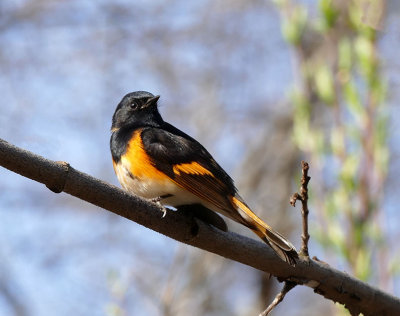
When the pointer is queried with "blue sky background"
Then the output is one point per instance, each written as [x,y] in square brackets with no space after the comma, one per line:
[64,66]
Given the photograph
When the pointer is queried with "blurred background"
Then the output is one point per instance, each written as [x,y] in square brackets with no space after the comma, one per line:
[262,84]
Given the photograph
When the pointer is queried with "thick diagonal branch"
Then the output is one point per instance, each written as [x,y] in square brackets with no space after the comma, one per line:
[332,284]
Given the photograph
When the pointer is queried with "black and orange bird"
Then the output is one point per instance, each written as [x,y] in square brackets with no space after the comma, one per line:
[157,161]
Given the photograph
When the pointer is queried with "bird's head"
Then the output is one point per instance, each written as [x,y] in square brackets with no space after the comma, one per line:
[137,108]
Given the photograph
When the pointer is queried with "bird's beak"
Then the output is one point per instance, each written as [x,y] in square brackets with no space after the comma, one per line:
[151,101]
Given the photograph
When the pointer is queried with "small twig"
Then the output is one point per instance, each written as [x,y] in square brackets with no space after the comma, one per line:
[303,197]
[279,297]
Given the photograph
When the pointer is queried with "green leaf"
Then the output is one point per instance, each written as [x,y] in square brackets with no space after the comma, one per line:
[363,264]
[337,236]
[345,54]
[353,101]
[329,13]
[294,24]
[337,141]
[324,84]
[365,54]
[349,172]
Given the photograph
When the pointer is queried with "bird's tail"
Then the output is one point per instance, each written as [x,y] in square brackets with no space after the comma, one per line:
[283,248]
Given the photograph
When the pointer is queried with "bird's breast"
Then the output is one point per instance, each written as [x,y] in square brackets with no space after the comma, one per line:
[136,172]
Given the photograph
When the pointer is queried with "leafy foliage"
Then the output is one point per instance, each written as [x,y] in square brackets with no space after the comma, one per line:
[340,123]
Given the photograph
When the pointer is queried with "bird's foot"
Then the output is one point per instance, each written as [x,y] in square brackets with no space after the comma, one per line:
[157,200]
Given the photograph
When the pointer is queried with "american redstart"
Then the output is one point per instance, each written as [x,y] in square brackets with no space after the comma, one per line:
[157,161]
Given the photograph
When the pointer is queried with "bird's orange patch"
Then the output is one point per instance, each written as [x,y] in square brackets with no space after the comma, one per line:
[239,204]
[138,162]
[191,168]
[245,209]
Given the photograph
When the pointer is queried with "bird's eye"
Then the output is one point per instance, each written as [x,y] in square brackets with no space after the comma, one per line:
[134,106]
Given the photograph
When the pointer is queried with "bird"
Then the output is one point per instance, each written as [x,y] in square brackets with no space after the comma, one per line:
[159,162]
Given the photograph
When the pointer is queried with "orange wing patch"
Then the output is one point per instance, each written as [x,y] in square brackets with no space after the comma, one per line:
[191,168]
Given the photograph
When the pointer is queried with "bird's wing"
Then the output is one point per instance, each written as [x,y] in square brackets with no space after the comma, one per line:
[187,163]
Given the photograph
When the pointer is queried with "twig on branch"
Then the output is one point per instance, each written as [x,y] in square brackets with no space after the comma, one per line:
[279,297]
[335,285]
[303,197]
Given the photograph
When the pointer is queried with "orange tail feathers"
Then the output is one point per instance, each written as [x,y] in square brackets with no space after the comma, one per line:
[283,248]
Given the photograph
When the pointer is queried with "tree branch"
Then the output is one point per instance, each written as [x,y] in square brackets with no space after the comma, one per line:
[335,285]
[303,197]
[279,297]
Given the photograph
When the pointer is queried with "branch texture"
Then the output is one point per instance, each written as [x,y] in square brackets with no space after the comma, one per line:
[335,285]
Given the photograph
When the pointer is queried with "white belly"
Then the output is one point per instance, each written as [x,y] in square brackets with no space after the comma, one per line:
[153,188]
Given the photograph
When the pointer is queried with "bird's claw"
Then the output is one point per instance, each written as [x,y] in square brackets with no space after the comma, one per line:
[161,207]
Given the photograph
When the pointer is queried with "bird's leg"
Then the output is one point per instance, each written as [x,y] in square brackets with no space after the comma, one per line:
[158,200]
[162,208]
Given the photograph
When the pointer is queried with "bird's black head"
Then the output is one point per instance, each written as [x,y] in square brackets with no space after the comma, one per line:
[137,109]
